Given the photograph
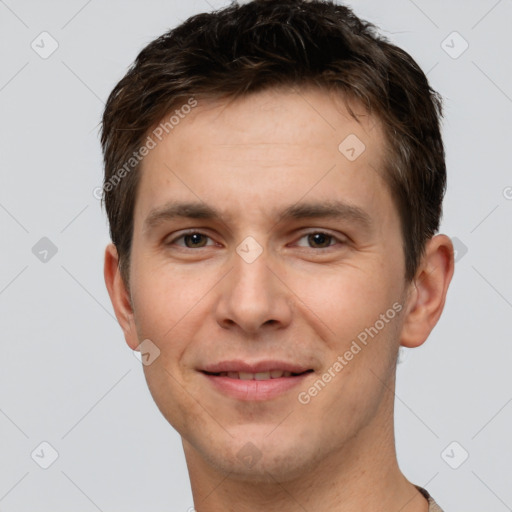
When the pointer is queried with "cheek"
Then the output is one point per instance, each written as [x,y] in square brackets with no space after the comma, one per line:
[357,312]
[347,300]
[167,308]
[160,306]
[164,295]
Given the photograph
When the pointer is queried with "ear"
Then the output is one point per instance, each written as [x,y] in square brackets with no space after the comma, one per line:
[427,293]
[119,296]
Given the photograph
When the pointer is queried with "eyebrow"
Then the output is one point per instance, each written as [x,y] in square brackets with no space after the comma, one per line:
[173,210]
[313,210]
[327,209]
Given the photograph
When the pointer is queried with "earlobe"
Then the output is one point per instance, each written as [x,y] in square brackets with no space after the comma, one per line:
[428,291]
[119,295]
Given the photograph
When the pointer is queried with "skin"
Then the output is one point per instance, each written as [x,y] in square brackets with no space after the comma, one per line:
[303,300]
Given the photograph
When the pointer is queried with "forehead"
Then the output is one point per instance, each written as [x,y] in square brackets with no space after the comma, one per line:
[276,116]
[265,146]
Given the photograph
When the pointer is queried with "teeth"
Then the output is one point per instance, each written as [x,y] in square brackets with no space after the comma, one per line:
[273,374]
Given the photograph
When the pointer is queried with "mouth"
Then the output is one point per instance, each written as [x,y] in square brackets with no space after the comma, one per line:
[255,382]
[272,374]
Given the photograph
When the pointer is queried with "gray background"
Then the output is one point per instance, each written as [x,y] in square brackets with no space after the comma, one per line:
[66,375]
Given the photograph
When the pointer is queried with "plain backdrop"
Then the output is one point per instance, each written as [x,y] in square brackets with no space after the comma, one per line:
[68,379]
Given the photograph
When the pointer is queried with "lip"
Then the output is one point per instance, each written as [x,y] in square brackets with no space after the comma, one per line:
[254,390]
[238,365]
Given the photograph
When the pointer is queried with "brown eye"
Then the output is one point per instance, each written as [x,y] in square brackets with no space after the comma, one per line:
[191,240]
[319,240]
[195,240]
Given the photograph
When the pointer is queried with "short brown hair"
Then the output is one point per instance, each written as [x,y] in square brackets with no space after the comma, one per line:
[270,43]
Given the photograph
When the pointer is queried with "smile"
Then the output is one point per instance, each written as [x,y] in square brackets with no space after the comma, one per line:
[274,374]
[254,382]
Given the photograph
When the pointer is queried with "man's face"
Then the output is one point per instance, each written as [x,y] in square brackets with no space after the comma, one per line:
[273,284]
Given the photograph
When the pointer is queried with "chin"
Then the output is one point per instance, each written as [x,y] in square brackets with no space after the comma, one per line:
[260,459]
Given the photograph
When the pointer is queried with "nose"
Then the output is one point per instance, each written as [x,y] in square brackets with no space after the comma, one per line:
[253,297]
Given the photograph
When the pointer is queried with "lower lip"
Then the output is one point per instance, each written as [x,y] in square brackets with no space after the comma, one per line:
[255,390]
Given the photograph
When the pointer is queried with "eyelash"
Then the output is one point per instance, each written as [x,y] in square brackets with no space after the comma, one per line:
[195,232]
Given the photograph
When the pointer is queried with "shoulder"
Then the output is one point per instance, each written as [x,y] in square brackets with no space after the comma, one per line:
[432,505]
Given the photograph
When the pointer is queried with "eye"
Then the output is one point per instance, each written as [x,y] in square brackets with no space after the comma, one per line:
[318,240]
[192,240]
